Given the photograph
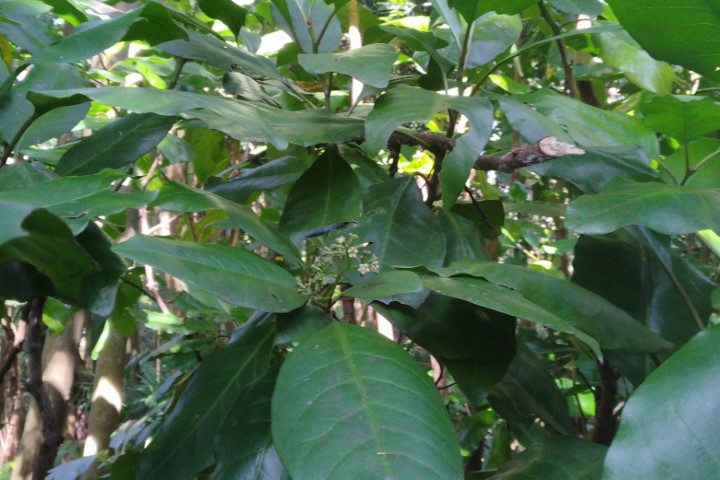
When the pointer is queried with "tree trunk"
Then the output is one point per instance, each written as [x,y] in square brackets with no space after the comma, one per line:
[58,363]
[108,392]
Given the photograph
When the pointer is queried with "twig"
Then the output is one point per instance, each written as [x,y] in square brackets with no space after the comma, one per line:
[18,341]
[547,148]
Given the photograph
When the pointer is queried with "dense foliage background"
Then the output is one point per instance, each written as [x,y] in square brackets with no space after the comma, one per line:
[326,239]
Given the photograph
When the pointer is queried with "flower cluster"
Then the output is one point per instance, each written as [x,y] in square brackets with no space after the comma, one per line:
[331,262]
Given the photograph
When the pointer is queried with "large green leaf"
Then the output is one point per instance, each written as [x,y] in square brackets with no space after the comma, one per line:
[93,37]
[210,152]
[243,445]
[599,165]
[370,64]
[386,284]
[227,11]
[682,117]
[41,239]
[331,418]
[401,229]
[240,119]
[326,193]
[689,31]
[585,125]
[184,444]
[491,36]
[270,176]
[472,9]
[78,199]
[52,124]
[116,145]
[559,458]
[701,156]
[501,299]
[527,391]
[619,50]
[464,238]
[576,7]
[212,51]
[611,326]
[233,275]
[669,425]
[640,273]
[178,197]
[669,209]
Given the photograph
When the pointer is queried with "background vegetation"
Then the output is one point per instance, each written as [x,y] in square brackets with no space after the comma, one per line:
[351,239]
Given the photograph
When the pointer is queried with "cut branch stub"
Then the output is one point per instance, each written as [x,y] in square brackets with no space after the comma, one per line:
[545,149]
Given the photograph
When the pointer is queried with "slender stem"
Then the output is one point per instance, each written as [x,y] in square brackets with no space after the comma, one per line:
[686,153]
[179,64]
[316,42]
[567,68]
[690,172]
[668,171]
[21,131]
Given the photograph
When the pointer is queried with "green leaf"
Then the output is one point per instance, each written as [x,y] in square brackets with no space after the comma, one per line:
[243,445]
[328,192]
[581,460]
[52,124]
[689,31]
[183,446]
[270,176]
[464,238]
[576,7]
[116,145]
[491,36]
[472,9]
[419,40]
[701,156]
[669,425]
[386,284]
[210,50]
[370,64]
[528,391]
[669,209]
[401,229]
[41,239]
[619,50]
[641,273]
[67,11]
[586,125]
[100,288]
[592,171]
[233,275]
[178,197]
[240,119]
[331,417]
[227,11]
[682,117]
[612,327]
[210,152]
[504,300]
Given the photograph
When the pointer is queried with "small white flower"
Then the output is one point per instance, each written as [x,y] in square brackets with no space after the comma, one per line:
[352,252]
[340,240]
[363,268]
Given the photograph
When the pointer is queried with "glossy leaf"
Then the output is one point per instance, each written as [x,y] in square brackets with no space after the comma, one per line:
[464,238]
[619,50]
[683,117]
[419,40]
[504,300]
[52,124]
[270,176]
[330,417]
[527,391]
[178,197]
[675,437]
[669,209]
[639,272]
[588,7]
[581,460]
[688,28]
[116,145]
[328,192]
[183,447]
[401,229]
[386,284]
[41,239]
[599,165]
[612,327]
[370,64]
[227,11]
[492,35]
[210,152]
[243,444]
[586,125]
[212,51]
[233,275]
[472,9]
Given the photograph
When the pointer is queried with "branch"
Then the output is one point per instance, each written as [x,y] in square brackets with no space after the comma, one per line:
[547,148]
